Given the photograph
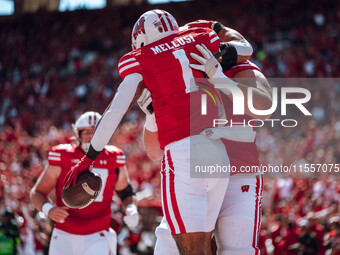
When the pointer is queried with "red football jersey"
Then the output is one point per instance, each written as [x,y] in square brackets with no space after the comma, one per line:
[240,153]
[96,216]
[164,66]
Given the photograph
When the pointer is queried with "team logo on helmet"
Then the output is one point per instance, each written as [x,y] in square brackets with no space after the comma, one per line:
[138,28]
[158,25]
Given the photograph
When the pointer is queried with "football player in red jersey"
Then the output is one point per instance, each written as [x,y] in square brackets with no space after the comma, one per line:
[84,231]
[238,224]
[239,219]
[160,60]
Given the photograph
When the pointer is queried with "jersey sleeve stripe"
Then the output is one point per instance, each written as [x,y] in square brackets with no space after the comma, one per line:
[241,65]
[54,158]
[128,66]
[246,65]
[212,33]
[120,161]
[53,153]
[214,39]
[121,157]
[126,61]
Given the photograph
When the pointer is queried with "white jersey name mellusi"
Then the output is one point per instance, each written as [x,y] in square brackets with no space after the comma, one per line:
[173,44]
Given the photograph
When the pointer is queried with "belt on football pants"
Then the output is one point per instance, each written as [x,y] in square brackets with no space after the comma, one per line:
[244,134]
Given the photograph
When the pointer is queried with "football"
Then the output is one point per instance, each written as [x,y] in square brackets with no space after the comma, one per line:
[84,192]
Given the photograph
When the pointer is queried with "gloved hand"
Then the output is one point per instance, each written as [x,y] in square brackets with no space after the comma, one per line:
[209,63]
[213,69]
[144,102]
[132,217]
[72,176]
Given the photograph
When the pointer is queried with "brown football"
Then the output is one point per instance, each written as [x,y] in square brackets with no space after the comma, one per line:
[84,192]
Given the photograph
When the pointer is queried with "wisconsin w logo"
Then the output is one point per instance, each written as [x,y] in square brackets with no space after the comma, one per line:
[138,27]
[245,188]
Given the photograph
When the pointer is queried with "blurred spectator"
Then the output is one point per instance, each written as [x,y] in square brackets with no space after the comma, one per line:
[9,233]
[308,244]
[332,239]
[290,237]
[126,247]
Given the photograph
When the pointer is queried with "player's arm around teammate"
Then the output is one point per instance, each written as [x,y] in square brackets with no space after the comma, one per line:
[262,93]
[262,100]
[150,136]
[237,48]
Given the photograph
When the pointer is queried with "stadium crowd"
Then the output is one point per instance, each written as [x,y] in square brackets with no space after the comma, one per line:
[54,66]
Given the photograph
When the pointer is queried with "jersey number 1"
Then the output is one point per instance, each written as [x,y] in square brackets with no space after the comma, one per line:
[188,77]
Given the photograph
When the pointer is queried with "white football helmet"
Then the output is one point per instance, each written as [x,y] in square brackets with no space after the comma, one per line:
[86,120]
[152,26]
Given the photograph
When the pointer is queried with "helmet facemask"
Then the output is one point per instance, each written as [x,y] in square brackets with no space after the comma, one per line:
[86,121]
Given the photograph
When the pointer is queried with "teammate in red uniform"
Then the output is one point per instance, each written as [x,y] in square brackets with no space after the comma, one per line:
[238,225]
[161,60]
[84,231]
[239,220]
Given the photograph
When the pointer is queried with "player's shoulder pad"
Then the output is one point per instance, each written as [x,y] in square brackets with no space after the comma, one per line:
[207,33]
[128,63]
[126,57]
[202,30]
[111,149]
[201,23]
[129,57]
[57,151]
[63,148]
[116,154]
